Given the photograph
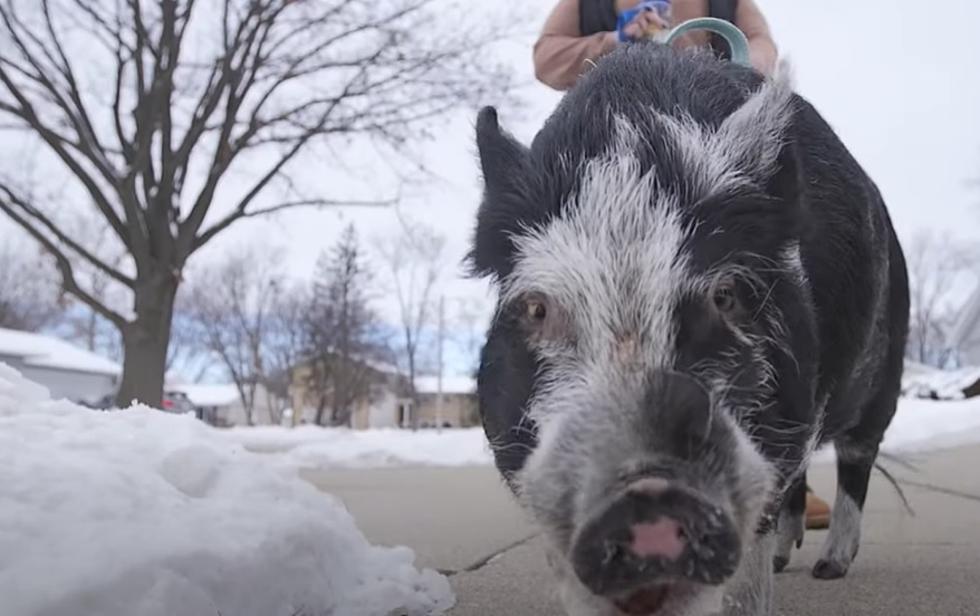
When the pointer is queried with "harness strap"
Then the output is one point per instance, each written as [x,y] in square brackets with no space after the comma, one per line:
[724,10]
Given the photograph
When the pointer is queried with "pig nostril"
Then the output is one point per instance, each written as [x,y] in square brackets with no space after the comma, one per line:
[663,538]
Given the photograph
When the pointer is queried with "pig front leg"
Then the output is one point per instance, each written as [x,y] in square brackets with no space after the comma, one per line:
[791,525]
[750,593]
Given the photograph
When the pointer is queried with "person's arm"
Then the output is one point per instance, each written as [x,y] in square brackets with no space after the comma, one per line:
[561,53]
[762,49]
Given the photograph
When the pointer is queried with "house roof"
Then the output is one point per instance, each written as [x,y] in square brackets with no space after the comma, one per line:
[382,367]
[42,351]
[450,385]
[222,394]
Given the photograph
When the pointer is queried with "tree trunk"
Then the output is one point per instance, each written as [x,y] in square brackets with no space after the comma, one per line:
[145,343]
[274,404]
[320,408]
[415,396]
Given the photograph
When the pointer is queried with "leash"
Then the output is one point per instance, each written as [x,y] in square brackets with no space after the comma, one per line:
[737,43]
[733,36]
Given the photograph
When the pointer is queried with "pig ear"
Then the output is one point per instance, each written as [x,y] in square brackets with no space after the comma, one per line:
[507,204]
[786,183]
[755,133]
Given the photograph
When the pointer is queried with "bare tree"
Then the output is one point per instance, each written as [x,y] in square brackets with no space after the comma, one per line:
[231,305]
[155,110]
[414,261]
[936,266]
[30,296]
[470,325]
[285,345]
[345,336]
[82,323]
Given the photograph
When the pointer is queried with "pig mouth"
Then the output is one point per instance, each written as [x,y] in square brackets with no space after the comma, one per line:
[646,601]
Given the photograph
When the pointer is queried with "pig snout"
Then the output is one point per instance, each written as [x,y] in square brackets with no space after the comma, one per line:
[655,532]
[660,529]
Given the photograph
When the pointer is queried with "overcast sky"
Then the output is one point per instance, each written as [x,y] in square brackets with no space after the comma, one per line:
[901,86]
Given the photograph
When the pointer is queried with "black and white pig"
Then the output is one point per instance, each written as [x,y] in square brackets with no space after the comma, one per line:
[697,285]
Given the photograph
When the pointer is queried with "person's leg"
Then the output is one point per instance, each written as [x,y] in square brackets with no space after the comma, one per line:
[817,511]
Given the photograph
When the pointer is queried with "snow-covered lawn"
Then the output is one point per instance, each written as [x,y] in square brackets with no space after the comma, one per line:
[313,447]
[923,425]
[141,513]
[926,425]
[918,425]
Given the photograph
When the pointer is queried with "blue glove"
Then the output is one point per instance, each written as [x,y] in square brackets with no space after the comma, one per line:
[662,8]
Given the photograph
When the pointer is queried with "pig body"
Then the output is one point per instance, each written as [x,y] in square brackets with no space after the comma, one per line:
[697,286]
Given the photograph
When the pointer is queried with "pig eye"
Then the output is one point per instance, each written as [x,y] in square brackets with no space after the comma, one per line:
[542,319]
[535,311]
[724,298]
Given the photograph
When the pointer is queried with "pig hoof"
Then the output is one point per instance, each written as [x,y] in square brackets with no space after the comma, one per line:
[829,570]
[779,563]
[789,533]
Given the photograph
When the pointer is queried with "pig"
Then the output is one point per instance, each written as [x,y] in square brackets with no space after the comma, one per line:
[696,285]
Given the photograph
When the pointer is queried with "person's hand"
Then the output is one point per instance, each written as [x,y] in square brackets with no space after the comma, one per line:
[642,24]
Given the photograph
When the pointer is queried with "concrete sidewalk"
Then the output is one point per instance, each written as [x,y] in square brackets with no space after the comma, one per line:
[464,523]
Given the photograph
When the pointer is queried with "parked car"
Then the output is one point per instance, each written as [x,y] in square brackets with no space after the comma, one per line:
[177,402]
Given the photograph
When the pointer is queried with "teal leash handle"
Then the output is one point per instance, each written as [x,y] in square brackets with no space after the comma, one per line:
[735,38]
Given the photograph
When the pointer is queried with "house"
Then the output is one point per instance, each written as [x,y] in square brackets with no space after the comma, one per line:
[220,404]
[455,407]
[386,400]
[67,371]
[383,403]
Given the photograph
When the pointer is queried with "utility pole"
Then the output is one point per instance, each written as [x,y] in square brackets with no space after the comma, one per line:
[442,337]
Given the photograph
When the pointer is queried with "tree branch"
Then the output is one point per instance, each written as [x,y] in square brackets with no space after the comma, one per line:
[65,239]
[238,214]
[68,281]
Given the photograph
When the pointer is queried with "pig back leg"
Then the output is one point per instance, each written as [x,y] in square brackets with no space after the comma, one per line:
[854,464]
[856,450]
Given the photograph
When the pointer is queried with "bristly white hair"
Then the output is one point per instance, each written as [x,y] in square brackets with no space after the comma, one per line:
[744,149]
[614,258]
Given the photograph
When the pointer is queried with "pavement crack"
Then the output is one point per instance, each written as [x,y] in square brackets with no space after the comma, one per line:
[486,560]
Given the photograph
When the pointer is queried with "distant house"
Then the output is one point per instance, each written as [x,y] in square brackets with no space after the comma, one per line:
[221,406]
[387,402]
[384,402]
[457,407]
[67,371]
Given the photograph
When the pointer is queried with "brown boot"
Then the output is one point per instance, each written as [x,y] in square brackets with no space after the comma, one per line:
[817,512]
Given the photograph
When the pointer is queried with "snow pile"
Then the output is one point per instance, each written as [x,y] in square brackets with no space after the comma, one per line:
[313,447]
[142,513]
[927,425]
[920,381]
[922,425]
